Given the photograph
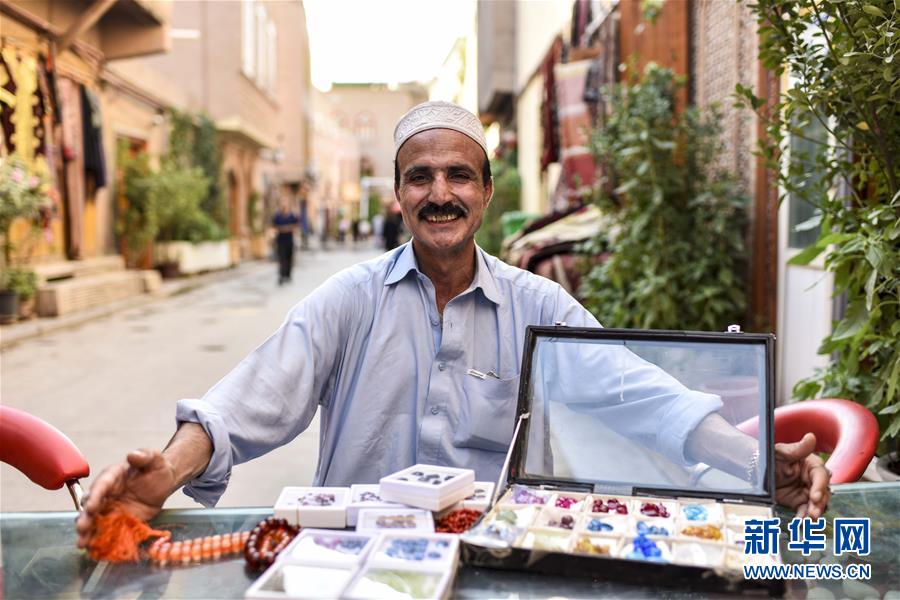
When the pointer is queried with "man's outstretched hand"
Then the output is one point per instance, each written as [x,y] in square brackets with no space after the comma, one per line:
[801,478]
[141,484]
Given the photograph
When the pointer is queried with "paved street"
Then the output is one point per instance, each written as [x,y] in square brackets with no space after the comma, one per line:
[111,384]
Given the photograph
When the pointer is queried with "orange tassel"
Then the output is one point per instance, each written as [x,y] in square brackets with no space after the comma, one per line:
[119,535]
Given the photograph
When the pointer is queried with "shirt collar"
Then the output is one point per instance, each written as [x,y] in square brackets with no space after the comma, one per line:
[484,278]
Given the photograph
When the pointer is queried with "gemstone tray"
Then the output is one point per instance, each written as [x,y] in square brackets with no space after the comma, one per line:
[565,536]
[427,486]
[314,506]
[605,474]
[365,496]
[375,520]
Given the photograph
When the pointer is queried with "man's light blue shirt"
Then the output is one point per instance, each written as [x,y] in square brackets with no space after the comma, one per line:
[369,349]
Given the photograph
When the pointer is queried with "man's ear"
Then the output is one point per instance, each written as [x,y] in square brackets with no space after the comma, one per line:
[489,191]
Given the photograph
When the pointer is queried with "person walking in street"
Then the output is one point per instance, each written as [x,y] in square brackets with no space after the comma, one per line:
[393,225]
[285,222]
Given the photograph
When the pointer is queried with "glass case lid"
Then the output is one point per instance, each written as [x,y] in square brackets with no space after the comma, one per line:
[634,411]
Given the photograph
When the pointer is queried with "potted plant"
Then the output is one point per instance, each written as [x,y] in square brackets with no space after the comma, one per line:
[23,283]
[23,192]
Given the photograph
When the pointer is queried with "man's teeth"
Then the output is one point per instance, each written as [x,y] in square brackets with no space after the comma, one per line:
[441,219]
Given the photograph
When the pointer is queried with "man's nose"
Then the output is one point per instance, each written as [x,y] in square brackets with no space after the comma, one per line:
[440,189]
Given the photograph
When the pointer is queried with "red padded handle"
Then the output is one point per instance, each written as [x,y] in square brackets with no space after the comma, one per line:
[40,450]
[846,429]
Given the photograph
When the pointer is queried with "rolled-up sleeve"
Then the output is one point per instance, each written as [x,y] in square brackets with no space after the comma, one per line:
[273,394]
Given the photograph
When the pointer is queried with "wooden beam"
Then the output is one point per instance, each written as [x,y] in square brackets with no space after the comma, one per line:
[87,20]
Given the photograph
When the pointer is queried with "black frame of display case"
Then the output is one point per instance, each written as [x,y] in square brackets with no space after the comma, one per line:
[624,569]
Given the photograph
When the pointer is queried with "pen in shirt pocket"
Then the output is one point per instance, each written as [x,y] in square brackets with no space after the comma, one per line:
[480,375]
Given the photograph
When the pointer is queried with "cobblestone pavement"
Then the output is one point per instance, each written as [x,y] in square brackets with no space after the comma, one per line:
[111,383]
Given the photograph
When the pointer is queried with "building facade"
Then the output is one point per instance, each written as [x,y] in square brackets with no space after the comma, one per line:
[246,65]
[57,53]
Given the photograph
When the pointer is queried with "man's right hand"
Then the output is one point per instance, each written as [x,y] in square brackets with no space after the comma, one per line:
[141,484]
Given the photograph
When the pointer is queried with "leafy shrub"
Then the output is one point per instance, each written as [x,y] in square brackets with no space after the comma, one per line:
[507,193]
[843,59]
[138,222]
[677,242]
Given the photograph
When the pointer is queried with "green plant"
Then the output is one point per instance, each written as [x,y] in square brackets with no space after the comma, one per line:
[23,192]
[138,222]
[21,281]
[843,60]
[507,192]
[254,213]
[193,143]
[677,257]
[177,193]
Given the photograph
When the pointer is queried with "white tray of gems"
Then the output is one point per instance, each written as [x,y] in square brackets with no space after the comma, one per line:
[637,456]
[328,548]
[480,498]
[439,550]
[377,581]
[363,495]
[314,506]
[428,486]
[374,520]
[284,580]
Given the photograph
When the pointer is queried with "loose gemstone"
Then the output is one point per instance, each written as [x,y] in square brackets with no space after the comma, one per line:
[645,548]
[706,532]
[566,522]
[695,512]
[369,497]
[586,546]
[611,505]
[654,510]
[598,525]
[317,499]
[644,529]
[525,496]
[566,502]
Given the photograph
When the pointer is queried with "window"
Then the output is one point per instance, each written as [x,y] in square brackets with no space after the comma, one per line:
[248,39]
[272,60]
[802,227]
[261,45]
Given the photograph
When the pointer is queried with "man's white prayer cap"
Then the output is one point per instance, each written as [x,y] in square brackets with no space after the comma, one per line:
[437,114]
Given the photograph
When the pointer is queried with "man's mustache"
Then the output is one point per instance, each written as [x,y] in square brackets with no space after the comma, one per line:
[441,210]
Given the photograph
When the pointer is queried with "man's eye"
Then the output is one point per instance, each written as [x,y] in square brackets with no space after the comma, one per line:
[460,176]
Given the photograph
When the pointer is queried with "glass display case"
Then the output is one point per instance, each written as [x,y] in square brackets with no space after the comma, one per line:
[628,458]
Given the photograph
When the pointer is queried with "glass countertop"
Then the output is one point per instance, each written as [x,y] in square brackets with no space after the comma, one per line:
[40,559]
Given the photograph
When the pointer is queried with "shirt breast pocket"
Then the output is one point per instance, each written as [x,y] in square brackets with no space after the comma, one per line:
[487,413]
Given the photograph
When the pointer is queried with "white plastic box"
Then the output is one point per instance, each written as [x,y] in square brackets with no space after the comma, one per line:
[326,547]
[314,506]
[375,581]
[427,486]
[365,496]
[402,549]
[373,520]
[285,580]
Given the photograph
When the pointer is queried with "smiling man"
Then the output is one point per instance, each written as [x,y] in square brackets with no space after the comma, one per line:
[383,350]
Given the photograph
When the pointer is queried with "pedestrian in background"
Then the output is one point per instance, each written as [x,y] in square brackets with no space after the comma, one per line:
[393,225]
[285,222]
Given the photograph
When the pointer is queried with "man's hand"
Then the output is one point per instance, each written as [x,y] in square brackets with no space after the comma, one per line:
[141,483]
[801,478]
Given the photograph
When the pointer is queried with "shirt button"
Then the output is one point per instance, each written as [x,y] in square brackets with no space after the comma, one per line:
[434,322]
[435,410]
[442,366]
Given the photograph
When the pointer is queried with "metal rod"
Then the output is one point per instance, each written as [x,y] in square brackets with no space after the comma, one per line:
[77,493]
